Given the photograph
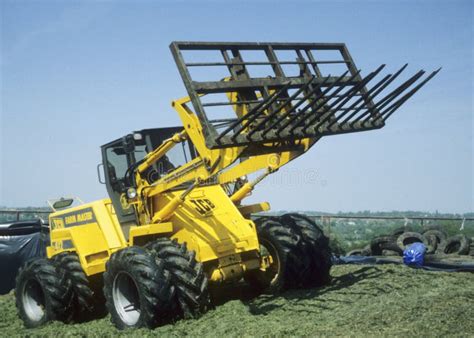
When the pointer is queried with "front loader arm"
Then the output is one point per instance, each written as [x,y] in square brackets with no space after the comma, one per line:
[159,152]
[269,120]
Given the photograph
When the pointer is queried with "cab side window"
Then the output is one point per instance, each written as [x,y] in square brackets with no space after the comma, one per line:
[117,167]
[176,157]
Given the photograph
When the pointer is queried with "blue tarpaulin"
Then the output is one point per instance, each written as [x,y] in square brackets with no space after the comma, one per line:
[429,264]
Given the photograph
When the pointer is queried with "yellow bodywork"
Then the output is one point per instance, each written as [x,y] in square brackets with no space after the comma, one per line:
[207,221]
[202,214]
[91,230]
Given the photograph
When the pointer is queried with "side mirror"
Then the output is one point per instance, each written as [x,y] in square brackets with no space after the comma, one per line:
[63,203]
[128,144]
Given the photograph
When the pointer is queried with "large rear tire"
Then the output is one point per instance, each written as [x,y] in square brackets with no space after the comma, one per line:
[187,276]
[137,289]
[43,293]
[315,247]
[87,301]
[282,248]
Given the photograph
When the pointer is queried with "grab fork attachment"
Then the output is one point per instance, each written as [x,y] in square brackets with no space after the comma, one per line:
[285,92]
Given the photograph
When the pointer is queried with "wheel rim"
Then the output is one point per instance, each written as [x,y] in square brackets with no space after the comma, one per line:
[34,300]
[126,298]
[272,273]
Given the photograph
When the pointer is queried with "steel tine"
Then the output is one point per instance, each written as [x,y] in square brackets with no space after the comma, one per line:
[390,110]
[394,76]
[330,111]
[280,108]
[316,102]
[389,97]
[319,102]
[362,83]
[299,103]
[246,116]
[327,109]
[255,112]
[366,95]
[261,106]
[375,94]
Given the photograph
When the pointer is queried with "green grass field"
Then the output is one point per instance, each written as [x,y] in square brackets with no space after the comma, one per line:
[362,300]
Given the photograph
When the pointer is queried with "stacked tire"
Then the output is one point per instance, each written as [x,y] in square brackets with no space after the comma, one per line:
[455,245]
[433,237]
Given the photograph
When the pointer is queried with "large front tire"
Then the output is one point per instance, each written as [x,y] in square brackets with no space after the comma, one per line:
[42,293]
[316,248]
[187,276]
[280,247]
[137,289]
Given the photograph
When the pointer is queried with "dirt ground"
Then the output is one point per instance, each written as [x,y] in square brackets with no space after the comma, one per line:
[362,300]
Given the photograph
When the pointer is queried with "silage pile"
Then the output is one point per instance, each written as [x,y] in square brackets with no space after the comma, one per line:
[374,300]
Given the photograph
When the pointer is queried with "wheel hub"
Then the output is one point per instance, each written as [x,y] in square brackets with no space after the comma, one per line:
[269,256]
[34,300]
[126,298]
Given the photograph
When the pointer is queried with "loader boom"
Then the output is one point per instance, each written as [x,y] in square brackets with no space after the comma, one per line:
[243,123]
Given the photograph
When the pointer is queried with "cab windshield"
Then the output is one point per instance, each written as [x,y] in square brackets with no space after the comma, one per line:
[121,156]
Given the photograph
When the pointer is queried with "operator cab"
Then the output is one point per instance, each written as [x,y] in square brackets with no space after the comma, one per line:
[121,156]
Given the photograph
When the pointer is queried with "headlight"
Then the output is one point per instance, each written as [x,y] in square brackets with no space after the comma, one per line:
[131,193]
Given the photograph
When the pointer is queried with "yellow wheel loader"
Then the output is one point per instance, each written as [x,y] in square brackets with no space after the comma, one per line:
[175,221]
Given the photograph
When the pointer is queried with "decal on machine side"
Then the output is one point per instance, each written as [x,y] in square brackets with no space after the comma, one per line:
[80,217]
[203,205]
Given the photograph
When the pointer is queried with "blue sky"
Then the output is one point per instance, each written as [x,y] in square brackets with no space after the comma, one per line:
[75,75]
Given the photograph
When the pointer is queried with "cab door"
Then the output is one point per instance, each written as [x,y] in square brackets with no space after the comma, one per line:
[116,163]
